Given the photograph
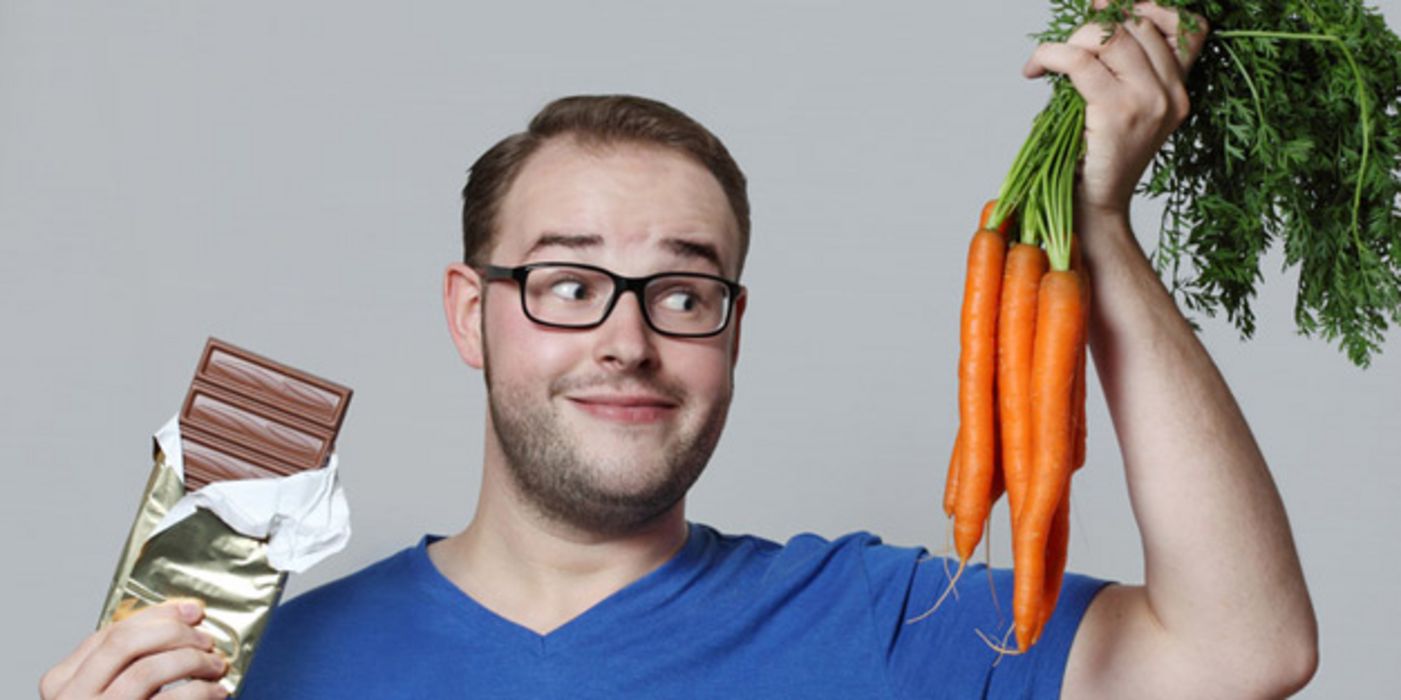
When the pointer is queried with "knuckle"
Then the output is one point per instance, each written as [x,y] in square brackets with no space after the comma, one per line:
[133,682]
[124,638]
[1079,60]
[186,660]
[151,672]
[1158,106]
[1149,106]
[1182,103]
[136,640]
[1083,37]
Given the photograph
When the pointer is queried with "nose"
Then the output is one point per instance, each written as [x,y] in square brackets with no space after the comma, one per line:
[625,342]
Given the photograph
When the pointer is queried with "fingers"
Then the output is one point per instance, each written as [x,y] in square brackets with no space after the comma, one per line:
[1089,75]
[194,690]
[148,674]
[1138,54]
[151,631]
[1165,65]
[1155,47]
[1126,58]
[1167,23]
[58,677]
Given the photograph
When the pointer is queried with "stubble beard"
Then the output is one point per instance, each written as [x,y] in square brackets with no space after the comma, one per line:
[561,483]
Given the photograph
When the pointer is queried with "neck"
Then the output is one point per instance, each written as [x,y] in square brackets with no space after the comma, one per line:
[540,573]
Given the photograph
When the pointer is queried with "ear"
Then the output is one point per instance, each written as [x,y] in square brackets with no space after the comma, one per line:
[740,304]
[462,304]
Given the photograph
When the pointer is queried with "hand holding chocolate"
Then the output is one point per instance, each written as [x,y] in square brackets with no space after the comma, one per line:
[250,457]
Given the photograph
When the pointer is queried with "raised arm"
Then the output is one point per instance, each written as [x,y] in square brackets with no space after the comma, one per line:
[1224,611]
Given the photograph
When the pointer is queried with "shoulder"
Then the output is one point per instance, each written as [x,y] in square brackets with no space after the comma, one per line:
[934,654]
[316,633]
[805,549]
[858,553]
[855,561]
[382,583]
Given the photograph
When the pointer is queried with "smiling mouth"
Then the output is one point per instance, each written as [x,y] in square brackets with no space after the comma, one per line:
[626,409]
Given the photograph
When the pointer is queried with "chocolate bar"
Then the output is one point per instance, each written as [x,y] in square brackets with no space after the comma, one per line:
[248,417]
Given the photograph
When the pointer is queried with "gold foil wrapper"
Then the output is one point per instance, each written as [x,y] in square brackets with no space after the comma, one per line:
[198,557]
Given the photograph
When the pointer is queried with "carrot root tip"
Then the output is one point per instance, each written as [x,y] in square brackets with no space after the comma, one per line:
[942,596]
[1001,649]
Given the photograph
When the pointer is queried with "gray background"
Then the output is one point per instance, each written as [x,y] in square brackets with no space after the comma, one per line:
[286,176]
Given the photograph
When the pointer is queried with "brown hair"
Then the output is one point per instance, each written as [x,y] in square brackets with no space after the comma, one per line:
[600,120]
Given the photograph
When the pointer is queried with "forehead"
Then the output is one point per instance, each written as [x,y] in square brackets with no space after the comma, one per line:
[633,198]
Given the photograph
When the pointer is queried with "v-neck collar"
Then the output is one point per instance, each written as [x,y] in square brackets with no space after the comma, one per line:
[642,595]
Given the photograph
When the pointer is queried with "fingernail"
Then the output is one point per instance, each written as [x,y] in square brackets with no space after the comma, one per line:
[190,611]
[205,639]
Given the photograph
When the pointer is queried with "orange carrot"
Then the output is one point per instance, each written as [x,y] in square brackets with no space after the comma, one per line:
[999,480]
[1016,329]
[1057,545]
[986,216]
[1059,335]
[951,482]
[977,364]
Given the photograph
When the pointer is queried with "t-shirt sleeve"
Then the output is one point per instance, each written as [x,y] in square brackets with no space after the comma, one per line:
[942,655]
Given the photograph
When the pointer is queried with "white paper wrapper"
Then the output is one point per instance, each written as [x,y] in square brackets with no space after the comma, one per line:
[303,517]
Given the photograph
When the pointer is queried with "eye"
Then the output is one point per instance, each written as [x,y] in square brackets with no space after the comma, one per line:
[680,300]
[571,289]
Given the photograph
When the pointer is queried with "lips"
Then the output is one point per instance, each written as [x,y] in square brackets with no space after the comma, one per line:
[625,408]
[625,400]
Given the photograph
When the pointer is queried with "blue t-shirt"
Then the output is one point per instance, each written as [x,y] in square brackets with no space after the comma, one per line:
[729,616]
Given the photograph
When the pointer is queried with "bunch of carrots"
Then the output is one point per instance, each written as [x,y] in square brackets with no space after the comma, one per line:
[1021,372]
[1021,369]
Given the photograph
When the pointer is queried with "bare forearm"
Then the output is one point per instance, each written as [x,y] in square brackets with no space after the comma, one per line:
[1220,563]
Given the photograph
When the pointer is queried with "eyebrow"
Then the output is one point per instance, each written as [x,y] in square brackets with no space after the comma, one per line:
[697,250]
[565,240]
[694,250]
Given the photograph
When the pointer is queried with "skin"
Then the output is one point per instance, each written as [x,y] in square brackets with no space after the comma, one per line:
[1200,489]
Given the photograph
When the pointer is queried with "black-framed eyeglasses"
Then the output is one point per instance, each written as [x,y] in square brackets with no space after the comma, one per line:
[579,296]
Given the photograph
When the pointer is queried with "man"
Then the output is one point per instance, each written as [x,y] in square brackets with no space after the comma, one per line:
[599,294]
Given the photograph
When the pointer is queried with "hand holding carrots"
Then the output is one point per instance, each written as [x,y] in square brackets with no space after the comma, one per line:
[1134,95]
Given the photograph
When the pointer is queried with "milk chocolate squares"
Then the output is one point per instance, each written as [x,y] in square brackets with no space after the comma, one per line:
[248,417]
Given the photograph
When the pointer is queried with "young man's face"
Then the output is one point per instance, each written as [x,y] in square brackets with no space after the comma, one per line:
[607,428]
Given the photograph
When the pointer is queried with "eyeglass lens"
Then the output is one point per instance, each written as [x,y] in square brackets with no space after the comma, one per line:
[571,296]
